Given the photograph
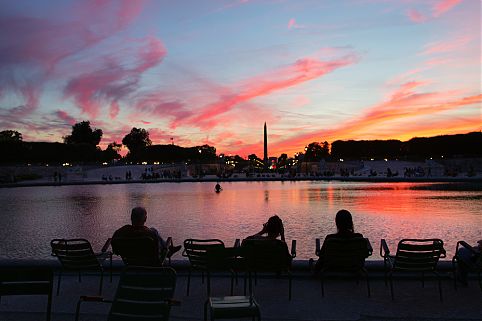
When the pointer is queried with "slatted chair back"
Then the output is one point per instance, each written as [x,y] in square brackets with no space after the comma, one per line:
[418,254]
[27,281]
[75,254]
[197,251]
[345,254]
[139,251]
[266,255]
[143,293]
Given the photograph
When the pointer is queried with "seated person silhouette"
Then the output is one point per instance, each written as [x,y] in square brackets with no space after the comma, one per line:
[467,258]
[270,232]
[344,225]
[138,229]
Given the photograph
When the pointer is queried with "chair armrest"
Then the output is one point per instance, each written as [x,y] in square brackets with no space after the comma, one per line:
[293,248]
[172,302]
[237,243]
[318,247]
[169,242]
[369,247]
[106,245]
[86,298]
[384,250]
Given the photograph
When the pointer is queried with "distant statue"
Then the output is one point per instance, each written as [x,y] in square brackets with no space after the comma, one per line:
[218,188]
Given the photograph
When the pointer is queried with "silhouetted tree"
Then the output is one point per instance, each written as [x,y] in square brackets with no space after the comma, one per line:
[136,141]
[315,152]
[111,152]
[82,133]
[10,136]
[282,160]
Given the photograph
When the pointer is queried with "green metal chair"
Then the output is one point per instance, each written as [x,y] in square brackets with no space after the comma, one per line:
[475,265]
[344,255]
[77,255]
[28,281]
[207,256]
[143,293]
[413,255]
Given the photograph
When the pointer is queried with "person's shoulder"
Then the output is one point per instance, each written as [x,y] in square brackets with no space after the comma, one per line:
[357,235]
[124,229]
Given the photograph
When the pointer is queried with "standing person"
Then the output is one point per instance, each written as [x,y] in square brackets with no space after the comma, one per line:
[345,230]
[138,228]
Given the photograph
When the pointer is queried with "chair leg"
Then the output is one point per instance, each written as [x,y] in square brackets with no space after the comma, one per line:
[368,281]
[58,282]
[322,284]
[77,310]
[206,310]
[101,283]
[232,283]
[454,271]
[289,294]
[423,279]
[110,267]
[49,306]
[439,285]
[188,282]
[385,270]
[391,285]
[245,282]
[480,280]
[202,277]
[209,283]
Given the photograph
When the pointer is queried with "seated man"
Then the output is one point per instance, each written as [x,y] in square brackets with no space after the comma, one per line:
[138,228]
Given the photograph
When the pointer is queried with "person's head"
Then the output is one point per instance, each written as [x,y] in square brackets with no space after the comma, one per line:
[344,221]
[274,226]
[138,216]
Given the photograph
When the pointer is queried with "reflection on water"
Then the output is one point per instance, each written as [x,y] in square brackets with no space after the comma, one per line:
[32,216]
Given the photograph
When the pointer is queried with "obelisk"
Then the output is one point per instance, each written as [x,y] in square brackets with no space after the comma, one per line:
[265,159]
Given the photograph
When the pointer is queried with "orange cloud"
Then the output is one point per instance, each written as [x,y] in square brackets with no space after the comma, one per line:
[404,103]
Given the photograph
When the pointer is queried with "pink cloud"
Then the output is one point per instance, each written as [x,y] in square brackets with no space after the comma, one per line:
[455,44]
[301,71]
[113,81]
[416,16]
[443,6]
[65,117]
[39,45]
[293,25]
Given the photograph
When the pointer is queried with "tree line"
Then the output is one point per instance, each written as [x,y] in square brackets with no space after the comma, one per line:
[81,146]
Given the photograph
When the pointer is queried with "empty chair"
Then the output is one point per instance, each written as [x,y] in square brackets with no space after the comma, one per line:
[27,281]
[140,250]
[143,293]
[413,255]
[207,256]
[77,255]
[267,255]
[466,259]
[344,255]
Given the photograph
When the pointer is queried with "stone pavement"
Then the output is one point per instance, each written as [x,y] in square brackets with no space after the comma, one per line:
[344,299]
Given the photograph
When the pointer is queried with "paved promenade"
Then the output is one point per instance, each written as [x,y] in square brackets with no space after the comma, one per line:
[344,299]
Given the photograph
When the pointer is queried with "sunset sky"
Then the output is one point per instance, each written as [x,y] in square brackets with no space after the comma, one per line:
[212,72]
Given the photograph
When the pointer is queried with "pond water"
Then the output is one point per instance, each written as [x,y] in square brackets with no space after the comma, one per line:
[31,216]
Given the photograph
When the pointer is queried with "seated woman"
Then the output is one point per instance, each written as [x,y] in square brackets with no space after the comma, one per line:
[466,257]
[271,230]
[344,225]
